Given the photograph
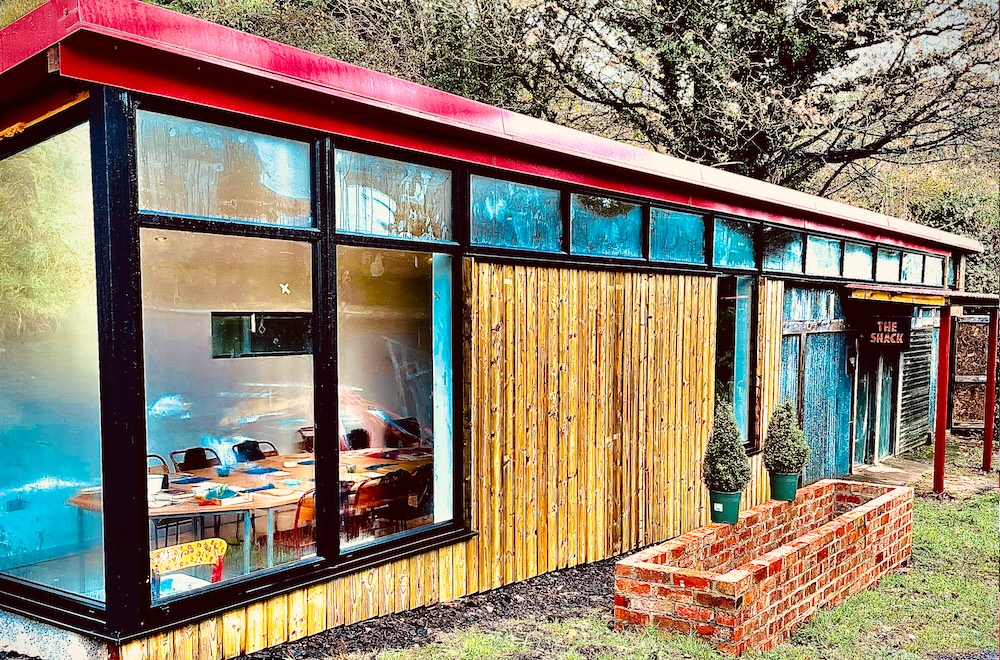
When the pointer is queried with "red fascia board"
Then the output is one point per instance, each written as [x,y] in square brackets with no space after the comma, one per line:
[167,31]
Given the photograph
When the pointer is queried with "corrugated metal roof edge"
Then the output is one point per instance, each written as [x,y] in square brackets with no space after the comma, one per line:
[134,21]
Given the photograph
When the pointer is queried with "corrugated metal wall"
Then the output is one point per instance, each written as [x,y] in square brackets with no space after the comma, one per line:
[914,418]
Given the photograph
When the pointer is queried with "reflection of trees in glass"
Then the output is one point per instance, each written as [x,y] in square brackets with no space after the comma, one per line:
[605,226]
[46,232]
[515,215]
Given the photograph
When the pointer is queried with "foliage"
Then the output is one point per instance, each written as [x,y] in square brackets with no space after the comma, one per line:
[46,232]
[781,88]
[726,466]
[11,10]
[785,449]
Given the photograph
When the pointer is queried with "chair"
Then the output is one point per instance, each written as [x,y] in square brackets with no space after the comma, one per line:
[296,538]
[254,450]
[423,489]
[194,458]
[159,464]
[166,564]
[307,438]
[369,496]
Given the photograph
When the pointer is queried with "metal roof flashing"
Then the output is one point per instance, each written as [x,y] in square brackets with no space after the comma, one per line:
[154,27]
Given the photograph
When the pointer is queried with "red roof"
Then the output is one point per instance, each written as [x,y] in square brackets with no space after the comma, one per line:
[133,22]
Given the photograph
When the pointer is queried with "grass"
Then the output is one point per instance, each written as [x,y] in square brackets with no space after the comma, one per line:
[947,603]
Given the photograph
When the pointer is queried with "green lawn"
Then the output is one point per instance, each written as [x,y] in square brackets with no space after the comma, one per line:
[946,603]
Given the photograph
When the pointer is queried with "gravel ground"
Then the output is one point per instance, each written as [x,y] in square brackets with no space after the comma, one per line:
[550,597]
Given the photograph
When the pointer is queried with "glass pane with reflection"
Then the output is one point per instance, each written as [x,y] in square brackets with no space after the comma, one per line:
[203,170]
[734,244]
[934,271]
[229,404]
[782,250]
[515,215]
[676,236]
[387,197]
[601,226]
[858,261]
[823,256]
[887,265]
[394,327]
[51,526]
[913,268]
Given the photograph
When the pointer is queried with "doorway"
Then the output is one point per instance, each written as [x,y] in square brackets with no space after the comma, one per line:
[876,413]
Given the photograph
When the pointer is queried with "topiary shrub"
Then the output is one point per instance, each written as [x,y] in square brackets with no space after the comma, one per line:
[785,450]
[726,467]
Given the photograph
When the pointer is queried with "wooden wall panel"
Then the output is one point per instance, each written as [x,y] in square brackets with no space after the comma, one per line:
[588,403]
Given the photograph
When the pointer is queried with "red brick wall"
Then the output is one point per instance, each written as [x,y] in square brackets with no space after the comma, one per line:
[747,586]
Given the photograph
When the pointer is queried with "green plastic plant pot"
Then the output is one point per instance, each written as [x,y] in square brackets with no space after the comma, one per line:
[725,506]
[784,486]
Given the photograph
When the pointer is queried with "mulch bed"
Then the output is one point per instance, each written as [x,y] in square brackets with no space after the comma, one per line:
[565,594]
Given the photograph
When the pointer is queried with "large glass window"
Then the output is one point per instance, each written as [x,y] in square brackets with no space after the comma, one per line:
[606,227]
[887,265]
[734,244]
[515,215]
[734,348]
[203,170]
[229,410]
[782,250]
[394,356]
[50,427]
[858,261]
[823,256]
[676,236]
[386,197]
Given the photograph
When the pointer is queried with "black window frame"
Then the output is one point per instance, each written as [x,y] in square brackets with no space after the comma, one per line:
[751,442]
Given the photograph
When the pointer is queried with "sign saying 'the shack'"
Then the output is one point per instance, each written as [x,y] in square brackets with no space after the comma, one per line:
[888,332]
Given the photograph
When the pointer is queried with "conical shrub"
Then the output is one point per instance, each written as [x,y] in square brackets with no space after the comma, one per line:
[726,467]
[785,449]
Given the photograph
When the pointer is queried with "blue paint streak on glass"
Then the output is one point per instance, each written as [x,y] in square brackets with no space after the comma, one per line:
[676,237]
[50,425]
[734,246]
[443,387]
[203,170]
[913,267]
[387,197]
[790,369]
[887,265]
[782,250]
[823,256]
[515,215]
[606,227]
[858,261]
[934,271]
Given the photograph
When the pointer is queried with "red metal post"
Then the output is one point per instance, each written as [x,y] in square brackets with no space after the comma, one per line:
[941,416]
[991,393]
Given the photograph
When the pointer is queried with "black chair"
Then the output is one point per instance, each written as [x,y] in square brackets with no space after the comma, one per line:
[254,450]
[194,458]
[358,439]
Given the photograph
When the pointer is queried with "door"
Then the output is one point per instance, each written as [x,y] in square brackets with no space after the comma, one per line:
[826,409]
[876,416]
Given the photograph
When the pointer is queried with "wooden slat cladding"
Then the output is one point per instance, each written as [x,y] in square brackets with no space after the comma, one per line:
[588,404]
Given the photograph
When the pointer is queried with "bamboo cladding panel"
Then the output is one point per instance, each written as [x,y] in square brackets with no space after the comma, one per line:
[588,403]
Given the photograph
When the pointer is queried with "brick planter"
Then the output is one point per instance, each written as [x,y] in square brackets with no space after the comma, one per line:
[748,586]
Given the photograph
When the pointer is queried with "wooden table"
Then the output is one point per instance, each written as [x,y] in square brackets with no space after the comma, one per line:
[356,467]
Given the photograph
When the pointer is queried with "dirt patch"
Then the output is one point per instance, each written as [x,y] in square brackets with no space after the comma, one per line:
[964,477]
[570,593]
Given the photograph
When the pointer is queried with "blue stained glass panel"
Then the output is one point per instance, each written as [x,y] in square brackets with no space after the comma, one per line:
[734,246]
[858,261]
[823,256]
[782,250]
[913,268]
[515,215]
[676,236]
[887,265]
[203,170]
[386,197]
[934,271]
[605,227]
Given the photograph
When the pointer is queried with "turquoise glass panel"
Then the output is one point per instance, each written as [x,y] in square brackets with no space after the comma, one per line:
[887,265]
[386,197]
[605,227]
[934,271]
[858,261]
[203,170]
[823,256]
[734,246]
[676,236]
[782,250]
[913,268]
[515,215]
[734,347]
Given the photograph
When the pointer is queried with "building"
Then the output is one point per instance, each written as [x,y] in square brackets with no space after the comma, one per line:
[250,268]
